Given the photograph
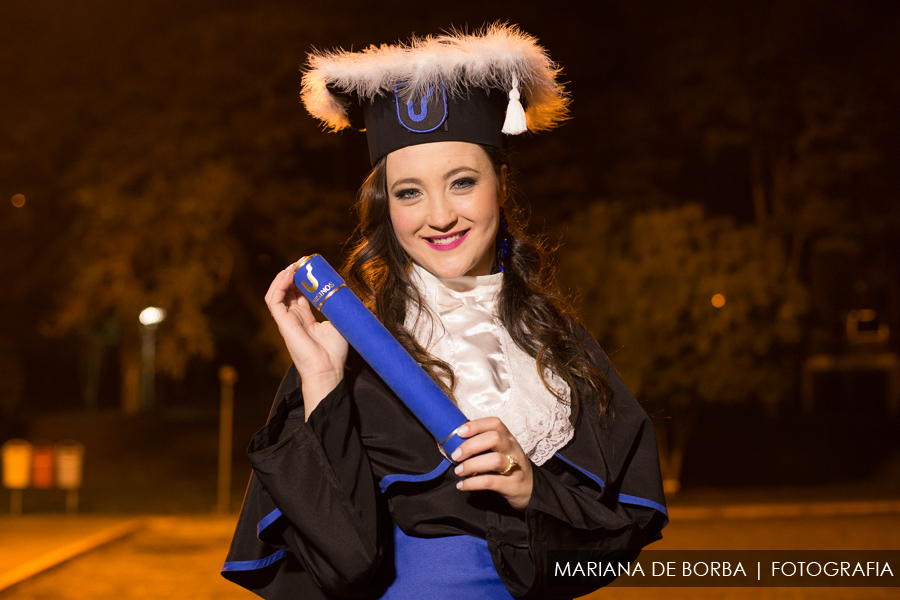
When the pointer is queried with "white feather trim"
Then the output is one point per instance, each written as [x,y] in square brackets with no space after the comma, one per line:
[491,58]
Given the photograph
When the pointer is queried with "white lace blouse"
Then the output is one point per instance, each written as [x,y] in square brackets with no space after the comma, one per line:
[494,377]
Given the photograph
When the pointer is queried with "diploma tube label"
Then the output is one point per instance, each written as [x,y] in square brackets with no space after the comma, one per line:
[325,289]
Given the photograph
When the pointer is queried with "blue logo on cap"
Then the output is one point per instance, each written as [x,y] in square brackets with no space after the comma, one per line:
[422,114]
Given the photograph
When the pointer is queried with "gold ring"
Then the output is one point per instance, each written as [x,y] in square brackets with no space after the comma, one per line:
[512,463]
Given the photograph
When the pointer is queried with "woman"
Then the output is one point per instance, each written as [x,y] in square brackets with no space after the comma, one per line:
[351,496]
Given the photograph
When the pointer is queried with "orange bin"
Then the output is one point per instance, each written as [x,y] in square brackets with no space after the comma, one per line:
[42,474]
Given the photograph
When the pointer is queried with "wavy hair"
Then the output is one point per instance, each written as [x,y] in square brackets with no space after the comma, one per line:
[537,316]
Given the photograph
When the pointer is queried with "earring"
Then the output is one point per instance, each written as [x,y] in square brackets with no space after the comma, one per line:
[503,236]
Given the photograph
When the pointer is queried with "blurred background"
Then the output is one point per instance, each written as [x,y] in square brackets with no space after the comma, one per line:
[724,200]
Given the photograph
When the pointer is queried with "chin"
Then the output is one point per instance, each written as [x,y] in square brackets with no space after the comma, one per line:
[450,267]
[448,271]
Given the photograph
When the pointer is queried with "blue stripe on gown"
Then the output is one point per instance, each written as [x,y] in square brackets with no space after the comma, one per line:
[445,568]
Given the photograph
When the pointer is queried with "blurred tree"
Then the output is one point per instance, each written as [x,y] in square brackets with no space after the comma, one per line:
[694,310]
[22,276]
[11,376]
[785,100]
[798,117]
[779,113]
[156,241]
[788,104]
[193,160]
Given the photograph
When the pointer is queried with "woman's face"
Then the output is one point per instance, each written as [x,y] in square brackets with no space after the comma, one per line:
[445,206]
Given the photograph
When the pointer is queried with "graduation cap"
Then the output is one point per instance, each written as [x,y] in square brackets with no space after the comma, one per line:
[452,87]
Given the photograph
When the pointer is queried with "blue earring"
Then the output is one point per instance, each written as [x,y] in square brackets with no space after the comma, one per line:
[503,246]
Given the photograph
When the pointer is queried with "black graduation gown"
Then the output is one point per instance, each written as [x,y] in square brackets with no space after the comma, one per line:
[325,495]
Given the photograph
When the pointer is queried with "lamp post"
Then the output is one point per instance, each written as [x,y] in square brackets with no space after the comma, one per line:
[150,317]
[227,378]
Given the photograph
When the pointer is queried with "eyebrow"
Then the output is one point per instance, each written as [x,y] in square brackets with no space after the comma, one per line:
[447,175]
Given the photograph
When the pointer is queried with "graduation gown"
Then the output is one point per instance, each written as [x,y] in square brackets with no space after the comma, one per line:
[332,500]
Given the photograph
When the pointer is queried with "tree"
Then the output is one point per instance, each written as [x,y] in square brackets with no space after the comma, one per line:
[193,158]
[694,310]
[782,102]
[164,243]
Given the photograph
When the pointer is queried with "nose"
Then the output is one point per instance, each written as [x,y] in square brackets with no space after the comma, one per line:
[442,213]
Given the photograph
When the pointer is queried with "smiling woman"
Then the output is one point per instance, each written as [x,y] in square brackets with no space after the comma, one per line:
[445,206]
[351,496]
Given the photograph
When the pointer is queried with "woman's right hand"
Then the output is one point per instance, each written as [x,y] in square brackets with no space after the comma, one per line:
[319,352]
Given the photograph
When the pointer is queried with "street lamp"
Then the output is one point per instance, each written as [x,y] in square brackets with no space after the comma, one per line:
[150,317]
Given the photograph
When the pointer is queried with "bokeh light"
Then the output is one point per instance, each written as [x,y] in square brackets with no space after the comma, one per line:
[152,315]
[718,300]
[18,200]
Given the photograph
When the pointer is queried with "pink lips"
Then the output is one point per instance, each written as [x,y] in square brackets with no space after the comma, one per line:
[451,245]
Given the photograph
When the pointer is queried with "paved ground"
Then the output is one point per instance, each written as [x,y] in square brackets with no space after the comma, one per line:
[167,558]
[758,530]
[33,543]
[179,557]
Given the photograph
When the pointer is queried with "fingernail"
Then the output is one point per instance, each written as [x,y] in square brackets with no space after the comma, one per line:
[458,470]
[462,430]
[459,485]
[456,454]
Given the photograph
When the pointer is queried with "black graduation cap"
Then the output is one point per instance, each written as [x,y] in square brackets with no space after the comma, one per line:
[454,87]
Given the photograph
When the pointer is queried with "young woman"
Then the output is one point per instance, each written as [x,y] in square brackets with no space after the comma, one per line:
[350,495]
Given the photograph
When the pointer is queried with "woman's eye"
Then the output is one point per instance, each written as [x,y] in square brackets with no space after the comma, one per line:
[464,183]
[407,194]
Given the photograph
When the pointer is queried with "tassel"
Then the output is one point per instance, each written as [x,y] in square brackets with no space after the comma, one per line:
[515,115]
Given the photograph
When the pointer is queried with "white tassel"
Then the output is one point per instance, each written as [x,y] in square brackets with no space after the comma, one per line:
[515,115]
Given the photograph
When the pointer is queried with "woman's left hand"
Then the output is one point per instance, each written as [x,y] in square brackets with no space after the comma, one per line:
[503,466]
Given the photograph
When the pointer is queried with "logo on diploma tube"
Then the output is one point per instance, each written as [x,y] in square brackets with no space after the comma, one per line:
[323,292]
[313,282]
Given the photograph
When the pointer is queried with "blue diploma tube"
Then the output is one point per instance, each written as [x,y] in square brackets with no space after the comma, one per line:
[325,289]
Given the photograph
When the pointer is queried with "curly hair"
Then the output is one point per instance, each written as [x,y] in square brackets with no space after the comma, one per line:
[537,316]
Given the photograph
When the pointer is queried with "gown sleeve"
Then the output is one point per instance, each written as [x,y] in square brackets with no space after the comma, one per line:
[602,492]
[312,494]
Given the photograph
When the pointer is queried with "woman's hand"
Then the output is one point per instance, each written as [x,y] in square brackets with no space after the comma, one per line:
[317,349]
[503,468]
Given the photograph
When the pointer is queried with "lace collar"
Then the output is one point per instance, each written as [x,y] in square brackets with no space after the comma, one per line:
[494,377]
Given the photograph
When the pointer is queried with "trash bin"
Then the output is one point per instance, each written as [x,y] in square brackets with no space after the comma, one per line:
[42,465]
[69,464]
[16,464]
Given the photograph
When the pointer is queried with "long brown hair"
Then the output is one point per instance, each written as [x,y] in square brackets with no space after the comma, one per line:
[531,307]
